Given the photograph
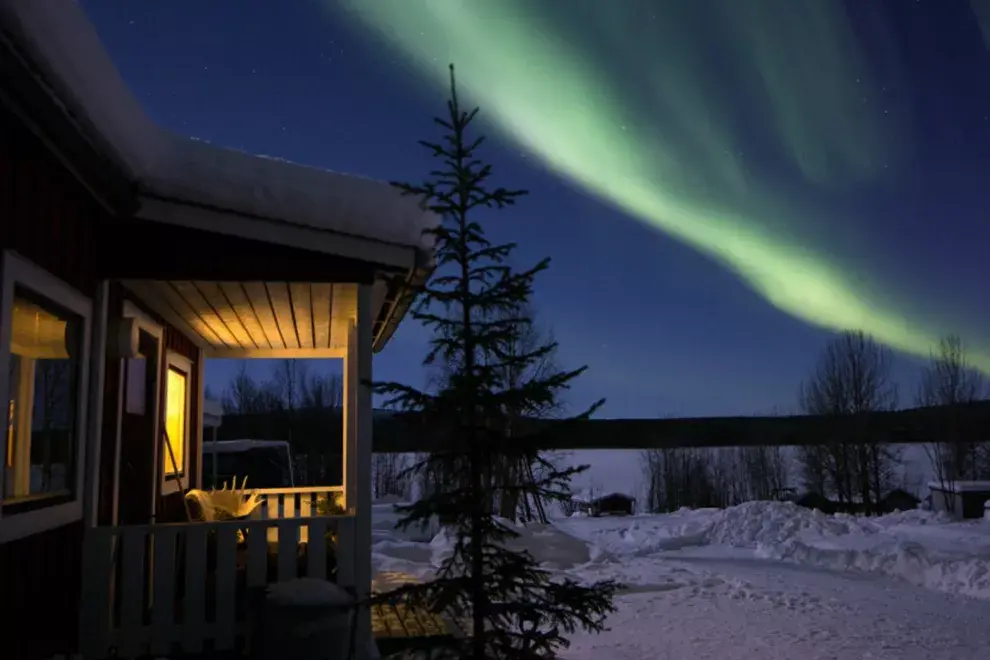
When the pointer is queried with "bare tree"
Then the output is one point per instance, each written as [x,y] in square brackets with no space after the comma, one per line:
[390,475]
[245,396]
[852,378]
[763,471]
[320,391]
[949,380]
[289,381]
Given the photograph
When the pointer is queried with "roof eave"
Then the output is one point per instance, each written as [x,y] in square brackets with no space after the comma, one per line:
[402,293]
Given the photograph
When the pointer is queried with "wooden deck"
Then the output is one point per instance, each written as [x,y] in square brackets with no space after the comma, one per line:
[398,626]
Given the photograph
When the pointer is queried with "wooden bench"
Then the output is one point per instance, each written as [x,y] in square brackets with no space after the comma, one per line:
[398,626]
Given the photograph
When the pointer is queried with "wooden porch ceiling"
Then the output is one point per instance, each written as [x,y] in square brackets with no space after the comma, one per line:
[258,319]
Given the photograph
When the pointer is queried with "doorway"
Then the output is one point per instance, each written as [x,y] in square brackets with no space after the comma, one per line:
[138,432]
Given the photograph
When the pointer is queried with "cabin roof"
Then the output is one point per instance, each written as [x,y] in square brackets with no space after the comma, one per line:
[65,46]
[613,496]
[960,486]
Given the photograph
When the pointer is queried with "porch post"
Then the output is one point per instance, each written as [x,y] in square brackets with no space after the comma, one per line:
[97,364]
[357,452]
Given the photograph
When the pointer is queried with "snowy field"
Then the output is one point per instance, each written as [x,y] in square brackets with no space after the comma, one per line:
[766,580]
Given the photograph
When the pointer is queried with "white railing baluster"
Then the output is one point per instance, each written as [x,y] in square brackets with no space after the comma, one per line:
[316,549]
[133,595]
[164,546]
[306,505]
[288,548]
[194,601]
[257,555]
[226,585]
[96,615]
[288,505]
[345,550]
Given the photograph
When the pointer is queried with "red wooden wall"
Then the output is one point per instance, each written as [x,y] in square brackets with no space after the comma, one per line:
[49,218]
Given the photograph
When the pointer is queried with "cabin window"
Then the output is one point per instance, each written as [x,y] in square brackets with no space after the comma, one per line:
[45,334]
[175,438]
[43,390]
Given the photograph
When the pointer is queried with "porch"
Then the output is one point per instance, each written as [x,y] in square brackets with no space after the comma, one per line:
[161,582]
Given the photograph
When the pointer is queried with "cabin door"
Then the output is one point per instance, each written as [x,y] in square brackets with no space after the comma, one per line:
[138,433]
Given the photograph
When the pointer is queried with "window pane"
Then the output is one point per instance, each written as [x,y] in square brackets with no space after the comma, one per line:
[135,391]
[175,421]
[46,350]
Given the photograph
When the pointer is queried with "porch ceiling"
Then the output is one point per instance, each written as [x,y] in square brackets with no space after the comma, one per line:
[259,319]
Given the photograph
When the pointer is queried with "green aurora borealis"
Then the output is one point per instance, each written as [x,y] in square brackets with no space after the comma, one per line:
[561,85]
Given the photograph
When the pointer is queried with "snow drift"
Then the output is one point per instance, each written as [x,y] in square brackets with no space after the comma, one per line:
[923,548]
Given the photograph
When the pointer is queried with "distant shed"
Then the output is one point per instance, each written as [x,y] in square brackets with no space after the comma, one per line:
[613,504]
[960,499]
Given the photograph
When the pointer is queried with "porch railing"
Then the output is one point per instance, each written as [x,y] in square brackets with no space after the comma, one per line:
[188,587]
[294,502]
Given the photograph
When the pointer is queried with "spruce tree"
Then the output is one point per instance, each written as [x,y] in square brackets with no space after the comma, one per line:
[475,305]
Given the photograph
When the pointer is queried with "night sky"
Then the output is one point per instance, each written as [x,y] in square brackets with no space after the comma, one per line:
[720,184]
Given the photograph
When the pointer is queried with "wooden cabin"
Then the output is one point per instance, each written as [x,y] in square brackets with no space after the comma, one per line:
[128,257]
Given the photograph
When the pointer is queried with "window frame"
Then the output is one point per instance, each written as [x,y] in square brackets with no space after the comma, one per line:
[173,483]
[18,271]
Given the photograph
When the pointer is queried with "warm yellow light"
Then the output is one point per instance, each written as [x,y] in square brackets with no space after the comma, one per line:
[10,434]
[175,421]
[36,332]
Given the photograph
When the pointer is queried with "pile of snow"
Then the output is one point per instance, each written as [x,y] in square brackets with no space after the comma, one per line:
[924,548]
[768,523]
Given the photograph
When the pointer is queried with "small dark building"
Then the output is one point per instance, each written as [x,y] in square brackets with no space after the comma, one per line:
[817,501]
[898,500]
[613,504]
[960,499]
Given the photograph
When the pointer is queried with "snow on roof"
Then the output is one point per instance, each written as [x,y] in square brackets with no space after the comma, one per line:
[194,170]
[212,413]
[961,486]
[66,46]
[231,446]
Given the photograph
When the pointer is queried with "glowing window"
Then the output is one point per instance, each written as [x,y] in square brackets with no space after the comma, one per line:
[45,357]
[176,415]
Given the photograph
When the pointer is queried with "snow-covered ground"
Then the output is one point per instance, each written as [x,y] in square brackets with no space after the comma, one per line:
[760,580]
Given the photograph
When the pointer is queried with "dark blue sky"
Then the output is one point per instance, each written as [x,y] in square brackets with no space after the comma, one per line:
[663,328]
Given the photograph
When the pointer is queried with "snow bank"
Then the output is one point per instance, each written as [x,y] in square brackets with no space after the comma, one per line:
[924,548]
[889,545]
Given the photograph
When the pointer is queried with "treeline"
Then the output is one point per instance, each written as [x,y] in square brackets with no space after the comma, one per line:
[851,377]
[718,477]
